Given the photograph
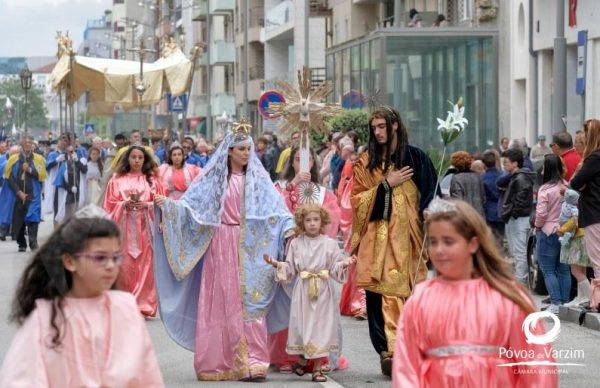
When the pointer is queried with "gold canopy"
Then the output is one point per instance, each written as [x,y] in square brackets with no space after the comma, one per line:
[110,82]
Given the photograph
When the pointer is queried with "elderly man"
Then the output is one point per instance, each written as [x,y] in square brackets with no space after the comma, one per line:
[562,145]
[21,195]
[539,151]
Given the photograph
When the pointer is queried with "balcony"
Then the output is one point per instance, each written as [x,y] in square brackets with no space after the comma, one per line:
[200,11]
[319,8]
[279,21]
[222,6]
[223,102]
[222,52]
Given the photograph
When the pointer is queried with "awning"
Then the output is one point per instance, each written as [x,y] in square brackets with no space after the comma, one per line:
[112,82]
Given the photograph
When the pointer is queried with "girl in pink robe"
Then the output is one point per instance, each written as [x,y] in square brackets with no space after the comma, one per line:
[129,201]
[464,328]
[353,301]
[298,188]
[74,331]
[175,175]
[316,260]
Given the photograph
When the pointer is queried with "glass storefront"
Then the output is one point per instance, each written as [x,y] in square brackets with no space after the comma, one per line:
[419,73]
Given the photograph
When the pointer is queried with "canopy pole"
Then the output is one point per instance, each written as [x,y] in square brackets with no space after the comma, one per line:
[188,87]
[69,96]
[140,87]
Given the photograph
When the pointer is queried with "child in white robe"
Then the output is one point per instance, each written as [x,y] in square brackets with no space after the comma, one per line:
[315,260]
[74,331]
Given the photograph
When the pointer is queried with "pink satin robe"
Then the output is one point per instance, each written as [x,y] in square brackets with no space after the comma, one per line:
[177,180]
[228,347]
[352,300]
[443,313]
[137,270]
[105,344]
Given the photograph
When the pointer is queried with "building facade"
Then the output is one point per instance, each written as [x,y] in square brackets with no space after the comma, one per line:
[533,86]
[418,70]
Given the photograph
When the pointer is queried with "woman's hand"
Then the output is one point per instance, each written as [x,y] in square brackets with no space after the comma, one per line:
[301,177]
[159,200]
[136,205]
[351,260]
[271,261]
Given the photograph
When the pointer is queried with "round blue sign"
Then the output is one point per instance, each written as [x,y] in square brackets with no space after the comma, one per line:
[268,97]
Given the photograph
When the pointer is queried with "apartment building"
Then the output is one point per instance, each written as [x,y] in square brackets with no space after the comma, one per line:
[533,85]
[418,70]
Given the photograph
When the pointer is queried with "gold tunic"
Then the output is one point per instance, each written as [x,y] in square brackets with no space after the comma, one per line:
[387,251]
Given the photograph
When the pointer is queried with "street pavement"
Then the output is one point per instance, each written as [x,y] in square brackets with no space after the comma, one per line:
[177,364]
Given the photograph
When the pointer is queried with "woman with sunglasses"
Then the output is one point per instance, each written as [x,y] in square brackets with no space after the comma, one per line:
[74,330]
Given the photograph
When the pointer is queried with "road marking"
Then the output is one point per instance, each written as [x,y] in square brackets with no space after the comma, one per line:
[331,383]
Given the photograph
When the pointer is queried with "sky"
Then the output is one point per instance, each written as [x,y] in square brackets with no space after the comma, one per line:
[28,27]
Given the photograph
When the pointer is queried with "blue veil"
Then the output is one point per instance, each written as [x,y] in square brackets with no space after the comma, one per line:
[188,226]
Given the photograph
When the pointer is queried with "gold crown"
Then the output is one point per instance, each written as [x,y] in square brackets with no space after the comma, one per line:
[242,129]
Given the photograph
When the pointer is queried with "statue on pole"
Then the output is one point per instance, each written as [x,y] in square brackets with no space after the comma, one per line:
[304,109]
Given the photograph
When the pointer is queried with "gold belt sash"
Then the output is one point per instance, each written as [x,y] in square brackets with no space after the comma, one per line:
[314,281]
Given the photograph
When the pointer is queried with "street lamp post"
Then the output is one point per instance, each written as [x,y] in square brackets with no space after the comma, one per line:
[25,76]
[8,113]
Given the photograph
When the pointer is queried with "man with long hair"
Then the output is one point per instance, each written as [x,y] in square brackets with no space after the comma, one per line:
[393,183]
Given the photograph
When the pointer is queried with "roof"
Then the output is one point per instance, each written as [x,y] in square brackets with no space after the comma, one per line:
[47,69]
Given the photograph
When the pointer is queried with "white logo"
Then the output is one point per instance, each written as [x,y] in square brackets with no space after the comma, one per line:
[541,357]
[531,323]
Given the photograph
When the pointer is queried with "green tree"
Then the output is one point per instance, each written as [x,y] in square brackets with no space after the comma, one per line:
[354,119]
[36,110]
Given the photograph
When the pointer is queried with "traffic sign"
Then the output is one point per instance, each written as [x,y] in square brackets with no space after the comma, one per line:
[582,37]
[89,128]
[177,103]
[265,99]
[353,100]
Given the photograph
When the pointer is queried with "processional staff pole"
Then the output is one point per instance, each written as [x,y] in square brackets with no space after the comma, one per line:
[140,87]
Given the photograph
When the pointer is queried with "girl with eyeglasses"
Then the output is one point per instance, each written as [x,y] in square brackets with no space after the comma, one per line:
[74,330]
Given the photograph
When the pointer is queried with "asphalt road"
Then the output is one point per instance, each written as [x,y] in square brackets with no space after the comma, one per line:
[177,364]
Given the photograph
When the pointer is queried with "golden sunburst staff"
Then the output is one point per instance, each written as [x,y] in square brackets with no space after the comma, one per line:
[303,109]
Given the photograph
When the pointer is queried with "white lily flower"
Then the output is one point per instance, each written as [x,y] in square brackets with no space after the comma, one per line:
[454,124]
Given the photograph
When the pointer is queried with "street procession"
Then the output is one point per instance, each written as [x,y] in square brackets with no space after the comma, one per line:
[299,193]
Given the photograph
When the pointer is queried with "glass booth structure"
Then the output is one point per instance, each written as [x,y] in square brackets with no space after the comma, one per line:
[418,71]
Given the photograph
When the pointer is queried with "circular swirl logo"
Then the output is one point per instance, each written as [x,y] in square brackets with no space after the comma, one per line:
[530,323]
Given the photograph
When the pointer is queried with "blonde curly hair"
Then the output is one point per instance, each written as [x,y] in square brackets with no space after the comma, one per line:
[303,211]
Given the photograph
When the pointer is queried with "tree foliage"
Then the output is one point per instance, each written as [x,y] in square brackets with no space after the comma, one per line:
[350,119]
[353,119]
[36,110]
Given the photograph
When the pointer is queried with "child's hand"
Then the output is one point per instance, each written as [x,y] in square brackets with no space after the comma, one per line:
[351,260]
[270,260]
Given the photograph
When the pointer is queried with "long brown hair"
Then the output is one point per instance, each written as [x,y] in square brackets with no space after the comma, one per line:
[377,157]
[591,128]
[147,168]
[45,277]
[99,162]
[289,173]
[487,261]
